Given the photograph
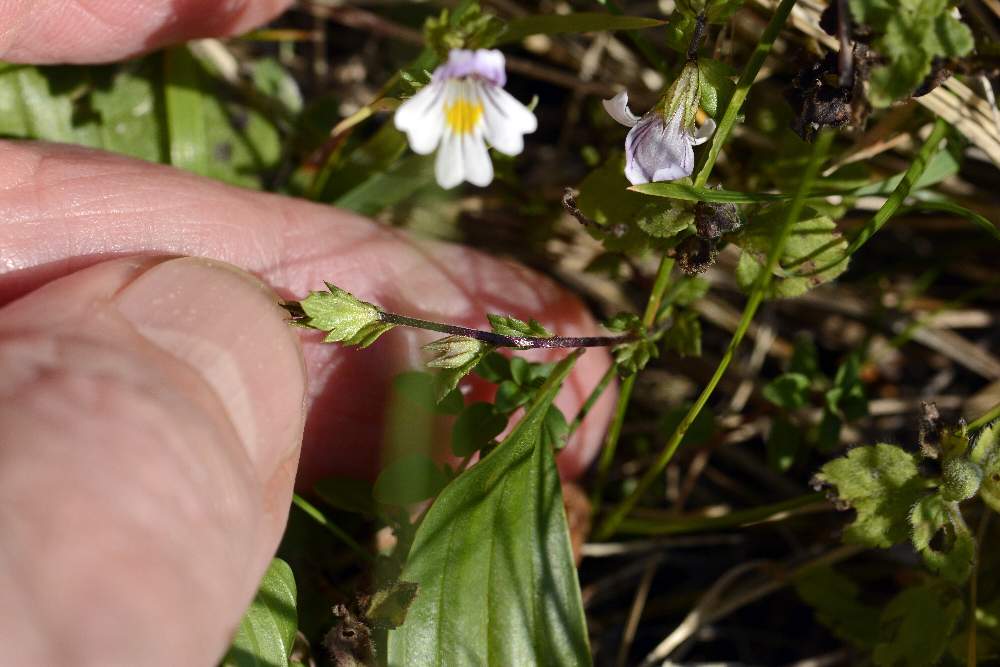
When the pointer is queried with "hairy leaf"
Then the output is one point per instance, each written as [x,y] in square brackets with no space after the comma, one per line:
[916,625]
[834,598]
[505,325]
[344,317]
[812,255]
[952,555]
[881,483]
[267,631]
[986,452]
[493,561]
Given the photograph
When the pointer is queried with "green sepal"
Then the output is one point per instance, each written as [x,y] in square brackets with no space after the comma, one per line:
[344,317]
[505,325]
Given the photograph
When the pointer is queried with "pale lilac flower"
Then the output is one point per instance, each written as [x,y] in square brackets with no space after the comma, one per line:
[463,108]
[659,147]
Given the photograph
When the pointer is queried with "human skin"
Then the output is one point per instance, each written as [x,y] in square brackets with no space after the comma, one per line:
[155,407]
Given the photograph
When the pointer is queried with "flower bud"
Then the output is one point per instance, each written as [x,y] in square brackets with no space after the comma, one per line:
[453,351]
[960,479]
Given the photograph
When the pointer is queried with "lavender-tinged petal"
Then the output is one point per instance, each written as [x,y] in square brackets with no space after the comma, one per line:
[704,133]
[489,65]
[657,150]
[617,108]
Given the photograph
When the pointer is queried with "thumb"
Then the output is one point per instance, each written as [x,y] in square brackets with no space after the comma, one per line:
[151,414]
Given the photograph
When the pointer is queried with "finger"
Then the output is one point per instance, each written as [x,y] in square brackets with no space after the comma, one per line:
[64,208]
[88,31]
[142,402]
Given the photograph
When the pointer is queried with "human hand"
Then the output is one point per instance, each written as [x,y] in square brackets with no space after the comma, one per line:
[152,407]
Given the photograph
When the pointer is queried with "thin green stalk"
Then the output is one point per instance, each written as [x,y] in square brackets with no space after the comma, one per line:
[743,88]
[820,149]
[992,414]
[895,200]
[662,277]
[677,525]
[595,394]
[611,443]
[338,532]
[621,407]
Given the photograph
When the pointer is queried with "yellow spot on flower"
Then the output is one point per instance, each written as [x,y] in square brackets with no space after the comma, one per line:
[462,116]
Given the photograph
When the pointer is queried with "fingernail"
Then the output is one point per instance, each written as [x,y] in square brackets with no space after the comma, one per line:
[228,327]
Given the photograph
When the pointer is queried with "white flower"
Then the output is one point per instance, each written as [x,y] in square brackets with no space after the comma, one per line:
[659,145]
[463,108]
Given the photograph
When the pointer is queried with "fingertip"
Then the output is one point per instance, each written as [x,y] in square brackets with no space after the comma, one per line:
[73,31]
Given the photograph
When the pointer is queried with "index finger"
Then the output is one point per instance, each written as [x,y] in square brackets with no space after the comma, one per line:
[91,31]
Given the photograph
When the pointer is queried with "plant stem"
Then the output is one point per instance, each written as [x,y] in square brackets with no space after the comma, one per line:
[500,340]
[595,394]
[676,525]
[743,87]
[982,421]
[338,532]
[621,407]
[895,199]
[722,133]
[757,294]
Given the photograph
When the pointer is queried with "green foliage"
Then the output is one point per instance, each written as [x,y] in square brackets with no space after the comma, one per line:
[812,255]
[952,556]
[715,85]
[409,479]
[387,607]
[421,390]
[881,483]
[505,325]
[784,441]
[267,631]
[465,27]
[986,453]
[476,427]
[702,430]
[615,211]
[344,317]
[162,108]
[789,391]
[835,599]
[493,562]
[684,336]
[346,494]
[555,429]
[630,358]
[455,352]
[916,625]
[664,222]
[910,36]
